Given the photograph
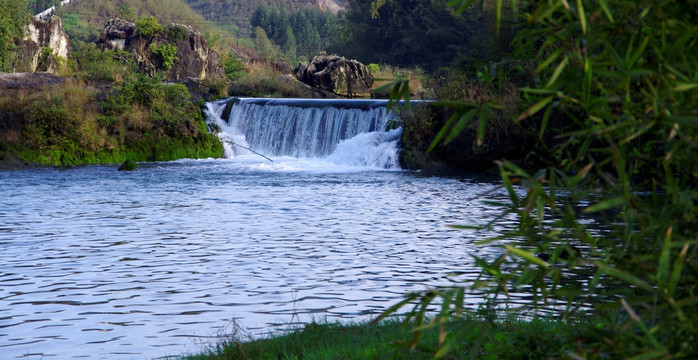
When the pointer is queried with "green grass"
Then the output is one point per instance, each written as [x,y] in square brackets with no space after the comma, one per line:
[390,339]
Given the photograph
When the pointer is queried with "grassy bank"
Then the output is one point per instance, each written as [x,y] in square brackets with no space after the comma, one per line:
[390,339]
[75,123]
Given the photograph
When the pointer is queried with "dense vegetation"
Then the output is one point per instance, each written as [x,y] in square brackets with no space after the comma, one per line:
[235,15]
[74,123]
[424,33]
[103,111]
[302,33]
[12,16]
[606,212]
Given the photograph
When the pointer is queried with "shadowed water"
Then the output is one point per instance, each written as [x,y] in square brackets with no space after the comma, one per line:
[101,264]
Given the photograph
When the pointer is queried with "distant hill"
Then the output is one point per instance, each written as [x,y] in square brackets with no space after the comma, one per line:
[236,14]
[84,20]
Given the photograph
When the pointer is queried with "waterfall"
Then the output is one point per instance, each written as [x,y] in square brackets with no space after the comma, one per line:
[346,132]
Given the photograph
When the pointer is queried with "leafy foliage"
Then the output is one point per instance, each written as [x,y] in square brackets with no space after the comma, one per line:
[304,32]
[166,52]
[263,45]
[608,221]
[176,32]
[148,26]
[143,120]
[424,33]
[92,64]
[12,19]
[232,66]
[38,6]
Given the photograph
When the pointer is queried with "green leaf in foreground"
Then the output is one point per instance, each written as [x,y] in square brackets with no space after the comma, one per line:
[528,256]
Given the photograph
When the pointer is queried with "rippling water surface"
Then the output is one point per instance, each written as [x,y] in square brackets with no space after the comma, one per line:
[101,264]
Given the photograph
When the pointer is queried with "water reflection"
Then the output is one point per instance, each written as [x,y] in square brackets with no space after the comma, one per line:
[99,264]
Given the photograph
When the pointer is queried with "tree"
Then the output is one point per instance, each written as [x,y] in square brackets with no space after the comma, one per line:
[263,45]
[12,19]
[424,33]
[290,45]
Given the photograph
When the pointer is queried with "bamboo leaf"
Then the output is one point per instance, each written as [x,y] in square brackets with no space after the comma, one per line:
[649,355]
[664,259]
[545,64]
[462,5]
[685,87]
[442,132]
[409,298]
[622,275]
[528,256]
[461,124]
[558,70]
[482,125]
[606,204]
[535,108]
[638,51]
[606,10]
[617,60]
[544,123]
[676,272]
[641,324]
[587,81]
[582,16]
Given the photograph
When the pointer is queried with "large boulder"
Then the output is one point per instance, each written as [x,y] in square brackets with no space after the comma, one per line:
[194,58]
[334,73]
[44,43]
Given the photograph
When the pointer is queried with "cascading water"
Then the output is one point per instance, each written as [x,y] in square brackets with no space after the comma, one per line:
[343,132]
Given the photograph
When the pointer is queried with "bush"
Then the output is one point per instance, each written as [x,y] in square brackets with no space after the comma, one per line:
[148,26]
[233,67]
[42,64]
[176,94]
[166,52]
[92,64]
[176,32]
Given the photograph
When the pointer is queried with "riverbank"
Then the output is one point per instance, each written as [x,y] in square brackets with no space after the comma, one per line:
[64,122]
[391,339]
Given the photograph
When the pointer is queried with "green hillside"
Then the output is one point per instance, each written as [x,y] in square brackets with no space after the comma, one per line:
[235,15]
[84,20]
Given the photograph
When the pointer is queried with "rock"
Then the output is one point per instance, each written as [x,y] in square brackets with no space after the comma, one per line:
[291,87]
[27,81]
[343,77]
[282,66]
[194,58]
[128,165]
[40,34]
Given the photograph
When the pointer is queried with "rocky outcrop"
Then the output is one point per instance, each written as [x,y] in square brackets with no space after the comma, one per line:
[193,59]
[44,43]
[343,77]
[27,81]
[334,6]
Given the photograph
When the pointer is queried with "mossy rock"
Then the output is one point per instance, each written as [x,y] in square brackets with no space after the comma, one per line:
[128,165]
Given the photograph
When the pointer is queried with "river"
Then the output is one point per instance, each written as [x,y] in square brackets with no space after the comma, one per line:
[102,264]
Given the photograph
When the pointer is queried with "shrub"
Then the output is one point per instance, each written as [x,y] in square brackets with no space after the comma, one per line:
[176,94]
[233,67]
[166,52]
[92,64]
[148,26]
[42,64]
[176,32]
